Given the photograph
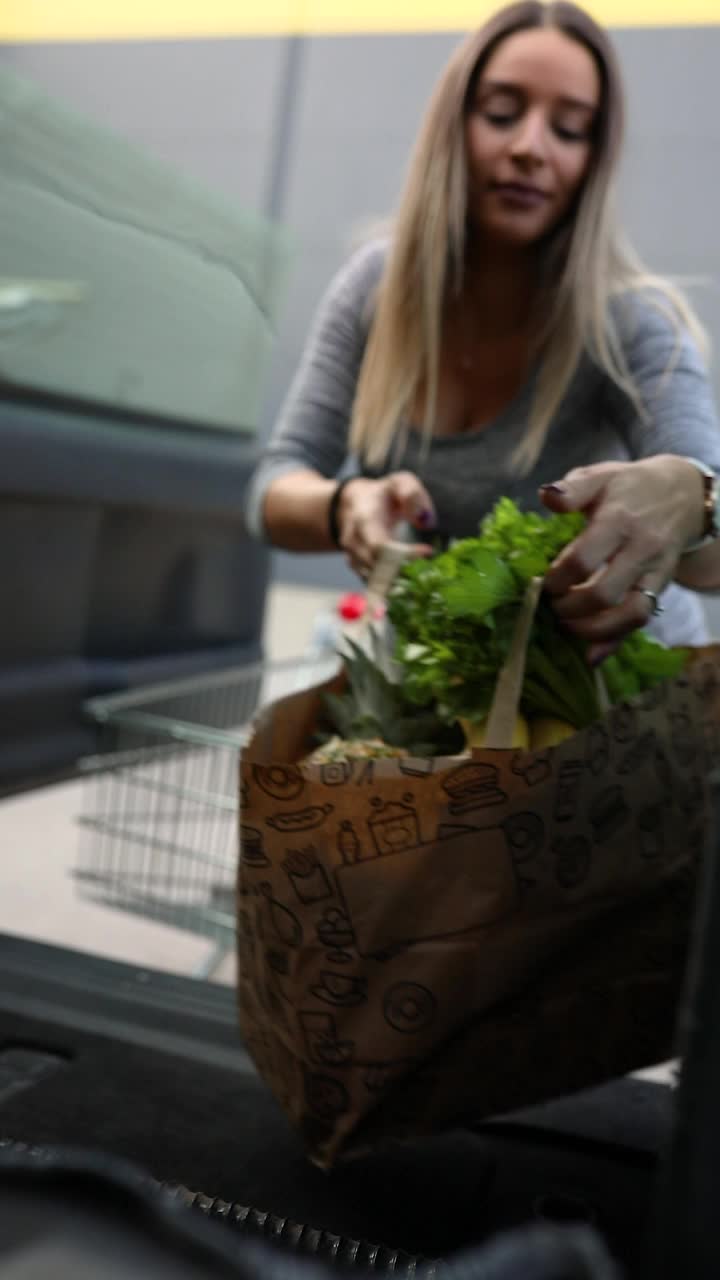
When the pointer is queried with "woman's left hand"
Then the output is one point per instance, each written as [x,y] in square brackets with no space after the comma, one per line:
[641,516]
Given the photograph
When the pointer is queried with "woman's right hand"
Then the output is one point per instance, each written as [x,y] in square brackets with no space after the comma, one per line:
[369,510]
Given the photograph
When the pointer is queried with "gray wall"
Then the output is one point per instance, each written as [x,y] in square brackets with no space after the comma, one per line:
[317,133]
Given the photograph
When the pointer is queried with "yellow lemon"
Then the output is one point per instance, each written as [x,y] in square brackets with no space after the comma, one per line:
[546,731]
[474,731]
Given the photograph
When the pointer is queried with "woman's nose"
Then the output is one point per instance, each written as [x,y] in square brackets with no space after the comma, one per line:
[529,141]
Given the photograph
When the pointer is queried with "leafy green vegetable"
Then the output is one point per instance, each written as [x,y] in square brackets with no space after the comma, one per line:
[639,664]
[454,617]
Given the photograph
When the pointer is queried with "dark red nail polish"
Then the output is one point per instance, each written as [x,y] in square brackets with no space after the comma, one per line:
[553,488]
[426,519]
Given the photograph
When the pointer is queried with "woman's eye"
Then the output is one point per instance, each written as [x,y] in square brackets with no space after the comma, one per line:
[500,118]
[571,135]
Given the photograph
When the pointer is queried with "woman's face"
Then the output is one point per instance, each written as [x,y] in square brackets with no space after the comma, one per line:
[528,133]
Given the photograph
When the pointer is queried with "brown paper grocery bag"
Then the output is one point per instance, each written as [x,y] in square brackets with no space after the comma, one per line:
[426,942]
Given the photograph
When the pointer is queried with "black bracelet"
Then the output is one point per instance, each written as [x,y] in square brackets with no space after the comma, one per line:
[332,514]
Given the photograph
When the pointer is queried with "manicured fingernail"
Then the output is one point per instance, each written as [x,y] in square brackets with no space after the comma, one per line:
[553,488]
[425,518]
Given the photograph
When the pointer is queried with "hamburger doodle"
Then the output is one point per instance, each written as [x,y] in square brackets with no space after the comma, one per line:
[641,751]
[651,823]
[567,798]
[335,773]
[340,989]
[608,813]
[473,786]
[251,847]
[308,878]
[321,1040]
[301,819]
[597,753]
[393,828]
[326,1096]
[409,1008]
[286,926]
[280,782]
[682,738]
[534,770]
[574,860]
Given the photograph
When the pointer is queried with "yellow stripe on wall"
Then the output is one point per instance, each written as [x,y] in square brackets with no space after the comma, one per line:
[33,20]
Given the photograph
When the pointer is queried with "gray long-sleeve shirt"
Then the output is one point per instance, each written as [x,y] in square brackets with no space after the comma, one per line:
[466,474]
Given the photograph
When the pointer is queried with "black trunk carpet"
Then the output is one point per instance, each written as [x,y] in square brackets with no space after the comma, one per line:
[216,1129]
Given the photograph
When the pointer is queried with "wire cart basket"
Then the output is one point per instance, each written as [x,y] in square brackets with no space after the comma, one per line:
[161,801]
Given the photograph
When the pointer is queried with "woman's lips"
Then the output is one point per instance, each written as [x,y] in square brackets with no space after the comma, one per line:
[519,195]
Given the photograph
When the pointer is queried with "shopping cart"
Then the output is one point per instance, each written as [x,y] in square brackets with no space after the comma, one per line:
[160,805]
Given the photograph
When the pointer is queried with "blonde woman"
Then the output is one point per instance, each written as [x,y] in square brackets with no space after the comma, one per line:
[505,340]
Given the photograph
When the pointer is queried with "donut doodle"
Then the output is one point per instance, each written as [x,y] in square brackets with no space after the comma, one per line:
[597,753]
[641,751]
[608,814]
[409,1008]
[683,738]
[534,770]
[308,878]
[573,861]
[300,819]
[280,782]
[623,723]
[567,797]
[325,1096]
[651,824]
[321,1040]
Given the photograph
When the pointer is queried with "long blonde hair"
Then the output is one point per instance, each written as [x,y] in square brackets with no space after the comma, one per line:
[587,263]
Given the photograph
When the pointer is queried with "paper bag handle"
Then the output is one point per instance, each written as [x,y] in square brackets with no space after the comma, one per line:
[508,690]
